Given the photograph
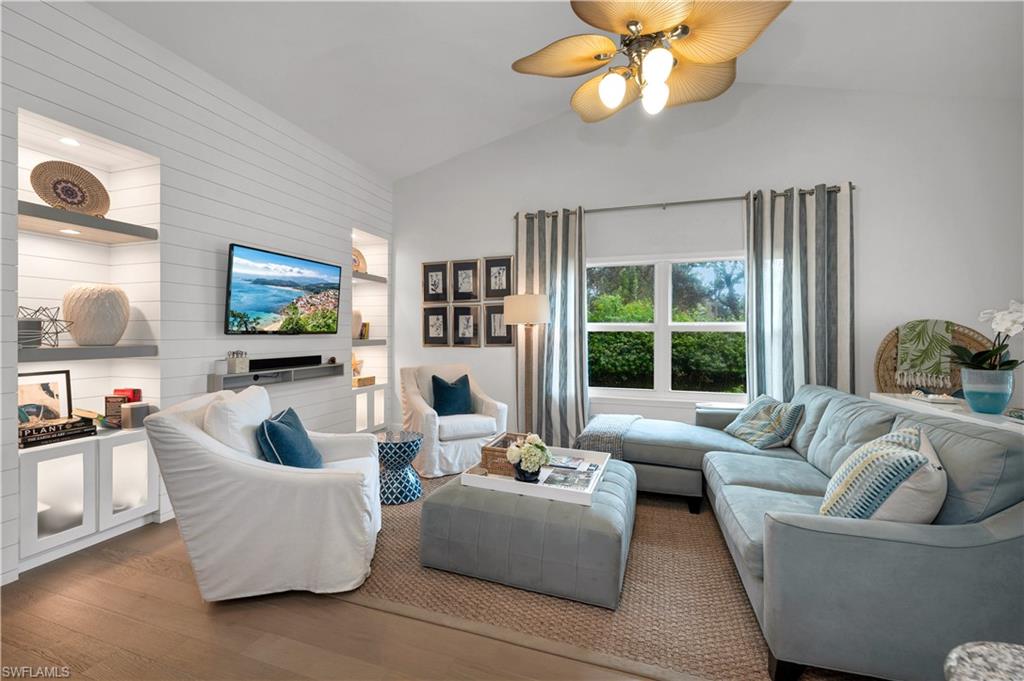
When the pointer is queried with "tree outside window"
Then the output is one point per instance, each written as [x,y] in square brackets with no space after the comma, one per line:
[700,316]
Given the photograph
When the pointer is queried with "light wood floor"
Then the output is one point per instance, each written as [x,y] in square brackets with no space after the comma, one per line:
[130,609]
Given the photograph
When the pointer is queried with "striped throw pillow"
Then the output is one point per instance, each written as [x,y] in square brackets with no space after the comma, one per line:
[767,423]
[895,477]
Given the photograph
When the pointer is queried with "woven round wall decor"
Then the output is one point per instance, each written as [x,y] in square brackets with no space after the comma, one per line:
[358,261]
[65,185]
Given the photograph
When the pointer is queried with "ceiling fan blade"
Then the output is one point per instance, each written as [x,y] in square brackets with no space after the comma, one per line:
[691,82]
[615,15]
[568,57]
[587,103]
[723,29]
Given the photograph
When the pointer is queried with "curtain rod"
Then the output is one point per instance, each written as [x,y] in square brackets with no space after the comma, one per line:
[662,205]
[690,202]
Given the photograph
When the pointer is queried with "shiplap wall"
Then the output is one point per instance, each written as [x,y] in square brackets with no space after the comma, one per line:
[230,171]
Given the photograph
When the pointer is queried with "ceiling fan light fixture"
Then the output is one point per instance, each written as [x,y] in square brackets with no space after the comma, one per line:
[657,65]
[612,89]
[654,97]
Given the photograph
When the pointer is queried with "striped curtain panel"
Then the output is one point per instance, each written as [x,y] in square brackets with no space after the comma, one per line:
[552,358]
[800,290]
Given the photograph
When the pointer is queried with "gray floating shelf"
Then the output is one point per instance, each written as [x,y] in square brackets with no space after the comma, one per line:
[363,276]
[34,217]
[357,342]
[216,382]
[70,354]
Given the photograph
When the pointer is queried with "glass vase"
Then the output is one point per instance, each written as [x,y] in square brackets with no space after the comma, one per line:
[987,391]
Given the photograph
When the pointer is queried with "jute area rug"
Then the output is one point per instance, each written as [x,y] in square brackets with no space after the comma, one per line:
[683,613]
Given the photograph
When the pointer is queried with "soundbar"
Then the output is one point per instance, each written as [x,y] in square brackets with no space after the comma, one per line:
[285,362]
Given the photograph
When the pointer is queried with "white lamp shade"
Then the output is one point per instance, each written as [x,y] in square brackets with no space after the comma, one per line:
[527,308]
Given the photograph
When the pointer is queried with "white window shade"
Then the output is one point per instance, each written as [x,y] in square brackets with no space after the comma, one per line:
[696,229]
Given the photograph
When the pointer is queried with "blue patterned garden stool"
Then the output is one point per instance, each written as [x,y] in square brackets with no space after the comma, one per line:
[399,483]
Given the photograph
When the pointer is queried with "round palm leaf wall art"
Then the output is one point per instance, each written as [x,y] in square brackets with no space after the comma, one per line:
[65,185]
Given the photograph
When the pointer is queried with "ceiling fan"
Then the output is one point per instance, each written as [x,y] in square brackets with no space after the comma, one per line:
[677,51]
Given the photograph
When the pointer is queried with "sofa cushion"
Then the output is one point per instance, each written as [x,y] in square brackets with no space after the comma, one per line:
[681,445]
[465,426]
[767,423]
[984,466]
[740,511]
[848,422]
[452,397]
[896,477]
[780,475]
[815,399]
[283,440]
[233,419]
[425,374]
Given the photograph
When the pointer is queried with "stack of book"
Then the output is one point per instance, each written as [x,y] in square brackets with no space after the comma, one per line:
[57,430]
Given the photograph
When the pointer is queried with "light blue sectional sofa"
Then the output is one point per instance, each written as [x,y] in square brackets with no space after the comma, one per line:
[878,598]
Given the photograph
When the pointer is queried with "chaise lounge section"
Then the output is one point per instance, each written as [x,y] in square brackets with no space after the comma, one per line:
[880,598]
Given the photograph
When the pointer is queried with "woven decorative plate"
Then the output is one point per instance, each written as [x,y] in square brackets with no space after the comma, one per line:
[65,185]
[358,261]
[886,357]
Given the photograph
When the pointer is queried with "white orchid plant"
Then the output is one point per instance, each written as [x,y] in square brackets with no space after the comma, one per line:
[1007,324]
[530,453]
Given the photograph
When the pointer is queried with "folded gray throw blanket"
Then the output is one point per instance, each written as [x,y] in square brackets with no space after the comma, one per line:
[604,433]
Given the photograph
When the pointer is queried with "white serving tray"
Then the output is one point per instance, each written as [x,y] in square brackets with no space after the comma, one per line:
[508,484]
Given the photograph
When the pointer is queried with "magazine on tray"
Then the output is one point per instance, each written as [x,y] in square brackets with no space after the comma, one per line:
[574,480]
[570,462]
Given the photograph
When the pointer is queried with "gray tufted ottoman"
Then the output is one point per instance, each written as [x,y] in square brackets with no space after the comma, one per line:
[552,547]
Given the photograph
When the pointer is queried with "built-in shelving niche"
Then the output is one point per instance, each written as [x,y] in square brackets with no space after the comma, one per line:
[122,248]
[371,295]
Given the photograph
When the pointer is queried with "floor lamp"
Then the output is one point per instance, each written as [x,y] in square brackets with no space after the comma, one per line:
[526,309]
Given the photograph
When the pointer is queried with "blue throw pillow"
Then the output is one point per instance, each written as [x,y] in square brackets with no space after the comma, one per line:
[283,440]
[452,398]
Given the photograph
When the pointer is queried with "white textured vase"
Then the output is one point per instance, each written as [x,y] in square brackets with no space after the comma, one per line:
[98,312]
[357,323]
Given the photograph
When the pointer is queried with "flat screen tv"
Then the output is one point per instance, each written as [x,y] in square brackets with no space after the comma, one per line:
[272,293]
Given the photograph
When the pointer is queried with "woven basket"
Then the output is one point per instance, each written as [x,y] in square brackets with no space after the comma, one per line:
[886,357]
[492,454]
[65,185]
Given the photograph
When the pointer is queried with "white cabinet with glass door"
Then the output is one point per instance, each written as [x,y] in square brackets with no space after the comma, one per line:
[71,491]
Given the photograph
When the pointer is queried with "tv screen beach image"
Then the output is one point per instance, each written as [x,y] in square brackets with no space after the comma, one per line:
[273,293]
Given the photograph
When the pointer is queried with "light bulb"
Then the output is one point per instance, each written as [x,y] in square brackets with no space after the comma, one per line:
[70,141]
[612,89]
[657,65]
[654,97]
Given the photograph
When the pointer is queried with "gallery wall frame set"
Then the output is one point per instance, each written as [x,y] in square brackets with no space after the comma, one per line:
[466,326]
[453,315]
[461,281]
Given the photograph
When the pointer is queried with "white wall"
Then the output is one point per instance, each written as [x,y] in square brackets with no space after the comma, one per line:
[230,171]
[937,207]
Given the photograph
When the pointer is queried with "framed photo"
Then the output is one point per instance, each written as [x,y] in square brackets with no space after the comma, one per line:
[496,332]
[499,277]
[465,281]
[44,396]
[436,332]
[435,282]
[466,326]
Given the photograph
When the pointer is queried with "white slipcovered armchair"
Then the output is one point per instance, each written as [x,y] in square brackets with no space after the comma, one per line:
[254,527]
[451,444]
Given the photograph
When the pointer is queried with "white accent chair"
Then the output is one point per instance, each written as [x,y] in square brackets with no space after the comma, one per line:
[253,527]
[451,444]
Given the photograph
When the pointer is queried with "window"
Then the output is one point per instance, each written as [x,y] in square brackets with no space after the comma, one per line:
[620,326]
[668,326]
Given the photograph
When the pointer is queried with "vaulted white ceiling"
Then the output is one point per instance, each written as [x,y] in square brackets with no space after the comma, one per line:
[401,86]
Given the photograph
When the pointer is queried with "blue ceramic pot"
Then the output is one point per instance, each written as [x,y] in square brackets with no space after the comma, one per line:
[526,476]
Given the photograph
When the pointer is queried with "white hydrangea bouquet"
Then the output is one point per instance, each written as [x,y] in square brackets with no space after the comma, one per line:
[528,456]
